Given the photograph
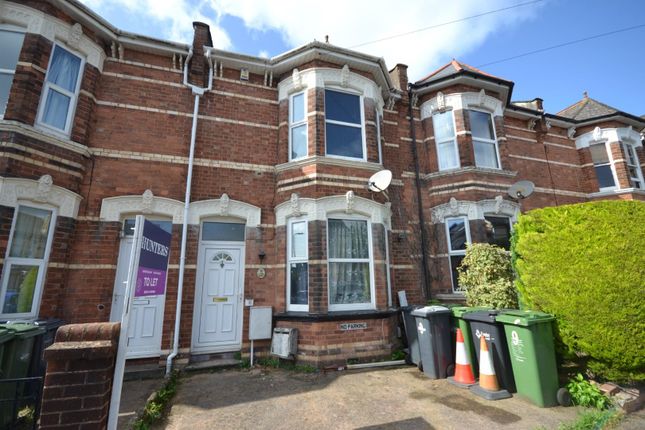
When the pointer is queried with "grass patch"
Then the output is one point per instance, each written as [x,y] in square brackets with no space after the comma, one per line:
[277,363]
[592,419]
[157,408]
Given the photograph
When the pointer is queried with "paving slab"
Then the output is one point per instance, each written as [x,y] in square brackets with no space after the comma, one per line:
[398,398]
[134,396]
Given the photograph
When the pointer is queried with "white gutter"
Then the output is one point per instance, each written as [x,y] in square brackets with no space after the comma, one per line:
[197,92]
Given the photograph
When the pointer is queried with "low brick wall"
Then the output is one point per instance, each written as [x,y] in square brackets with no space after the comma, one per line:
[78,382]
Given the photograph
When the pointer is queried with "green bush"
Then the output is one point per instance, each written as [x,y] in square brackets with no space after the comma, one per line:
[584,264]
[487,276]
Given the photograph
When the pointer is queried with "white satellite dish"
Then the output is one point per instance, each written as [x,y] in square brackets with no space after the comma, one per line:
[379,181]
[521,189]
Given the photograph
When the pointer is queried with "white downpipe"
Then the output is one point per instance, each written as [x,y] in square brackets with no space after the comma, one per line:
[387,268]
[198,92]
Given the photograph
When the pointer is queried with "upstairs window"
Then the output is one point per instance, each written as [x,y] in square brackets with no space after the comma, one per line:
[484,141]
[10,46]
[61,89]
[297,126]
[445,140]
[602,163]
[633,168]
[344,125]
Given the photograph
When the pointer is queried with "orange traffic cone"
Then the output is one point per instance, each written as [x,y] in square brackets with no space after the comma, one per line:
[488,386]
[463,372]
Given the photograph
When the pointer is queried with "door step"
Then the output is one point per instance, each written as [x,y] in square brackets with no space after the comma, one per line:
[213,361]
[143,371]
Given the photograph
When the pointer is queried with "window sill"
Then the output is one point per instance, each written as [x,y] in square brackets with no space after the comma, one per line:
[334,316]
[44,136]
[330,161]
[617,192]
[470,169]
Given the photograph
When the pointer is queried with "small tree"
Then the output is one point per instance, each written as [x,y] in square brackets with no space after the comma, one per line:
[487,276]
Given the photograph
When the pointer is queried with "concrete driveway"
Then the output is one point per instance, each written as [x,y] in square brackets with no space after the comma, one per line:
[397,398]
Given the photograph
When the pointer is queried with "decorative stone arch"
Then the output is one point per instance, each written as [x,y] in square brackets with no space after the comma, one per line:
[323,77]
[54,29]
[320,209]
[116,208]
[458,101]
[475,210]
[224,207]
[43,191]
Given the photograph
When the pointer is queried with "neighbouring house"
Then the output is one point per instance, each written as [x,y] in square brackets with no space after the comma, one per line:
[95,128]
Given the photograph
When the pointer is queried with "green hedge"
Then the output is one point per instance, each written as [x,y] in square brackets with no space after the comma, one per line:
[585,264]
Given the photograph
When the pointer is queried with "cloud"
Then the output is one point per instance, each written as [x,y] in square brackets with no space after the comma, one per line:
[350,23]
[174,17]
[263,54]
[347,23]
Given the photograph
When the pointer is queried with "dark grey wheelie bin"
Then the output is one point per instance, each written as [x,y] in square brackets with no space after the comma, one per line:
[38,364]
[410,326]
[483,323]
[433,331]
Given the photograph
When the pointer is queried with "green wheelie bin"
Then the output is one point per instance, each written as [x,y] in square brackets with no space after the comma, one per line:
[458,312]
[530,342]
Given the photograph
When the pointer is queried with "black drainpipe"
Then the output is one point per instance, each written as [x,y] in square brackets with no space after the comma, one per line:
[417,177]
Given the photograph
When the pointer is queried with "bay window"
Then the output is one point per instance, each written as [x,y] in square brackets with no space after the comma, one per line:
[297,266]
[602,164]
[633,168]
[445,140]
[61,88]
[458,236]
[298,126]
[10,46]
[344,135]
[484,140]
[498,231]
[26,261]
[349,264]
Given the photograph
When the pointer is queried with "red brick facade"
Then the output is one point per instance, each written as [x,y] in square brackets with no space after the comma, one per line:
[131,131]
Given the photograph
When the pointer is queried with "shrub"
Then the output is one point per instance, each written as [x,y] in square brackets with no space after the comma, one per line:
[584,264]
[584,393]
[487,276]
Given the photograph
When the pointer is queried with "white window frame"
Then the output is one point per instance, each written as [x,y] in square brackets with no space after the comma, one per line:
[370,260]
[347,124]
[494,141]
[71,110]
[290,259]
[12,73]
[454,141]
[458,252]
[611,163]
[41,263]
[629,151]
[293,125]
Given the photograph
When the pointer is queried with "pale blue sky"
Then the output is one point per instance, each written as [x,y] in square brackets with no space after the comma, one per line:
[610,68]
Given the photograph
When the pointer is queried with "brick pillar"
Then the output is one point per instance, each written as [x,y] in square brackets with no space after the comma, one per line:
[78,382]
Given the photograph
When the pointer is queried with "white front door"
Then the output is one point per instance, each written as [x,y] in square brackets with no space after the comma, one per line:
[217,323]
[146,318]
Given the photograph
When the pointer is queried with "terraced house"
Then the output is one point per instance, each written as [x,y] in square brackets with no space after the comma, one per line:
[96,126]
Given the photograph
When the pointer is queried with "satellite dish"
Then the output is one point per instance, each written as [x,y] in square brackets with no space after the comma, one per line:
[521,189]
[379,181]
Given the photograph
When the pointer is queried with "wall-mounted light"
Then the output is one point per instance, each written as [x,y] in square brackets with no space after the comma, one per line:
[261,256]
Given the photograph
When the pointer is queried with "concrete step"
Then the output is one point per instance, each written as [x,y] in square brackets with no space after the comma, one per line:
[217,363]
[143,371]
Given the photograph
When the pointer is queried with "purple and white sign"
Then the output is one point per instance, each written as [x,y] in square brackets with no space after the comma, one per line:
[153,261]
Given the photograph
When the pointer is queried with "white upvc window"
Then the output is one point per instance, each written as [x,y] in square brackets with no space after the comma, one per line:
[10,46]
[298,126]
[344,125]
[633,167]
[458,236]
[25,263]
[482,129]
[60,92]
[603,164]
[445,138]
[297,266]
[350,264]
